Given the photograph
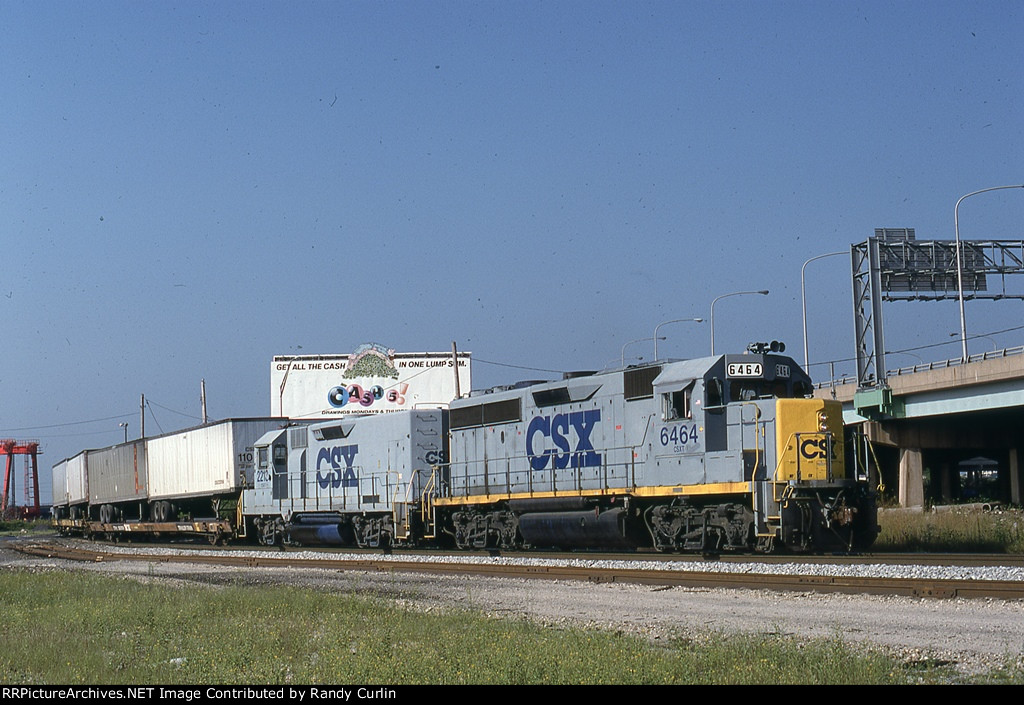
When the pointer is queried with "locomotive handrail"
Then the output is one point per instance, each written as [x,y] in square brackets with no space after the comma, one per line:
[427,505]
[240,529]
[869,448]
[758,433]
[429,485]
[778,465]
[396,498]
[328,493]
[559,483]
[829,438]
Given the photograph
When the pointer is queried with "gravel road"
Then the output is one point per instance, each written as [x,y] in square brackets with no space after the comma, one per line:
[974,635]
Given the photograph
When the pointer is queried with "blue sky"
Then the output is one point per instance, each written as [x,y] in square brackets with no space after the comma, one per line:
[188,189]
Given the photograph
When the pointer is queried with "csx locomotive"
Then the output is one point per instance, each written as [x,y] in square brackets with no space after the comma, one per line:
[724,453]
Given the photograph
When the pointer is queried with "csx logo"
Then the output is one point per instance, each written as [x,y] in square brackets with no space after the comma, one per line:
[436,457]
[817,448]
[334,476]
[557,428]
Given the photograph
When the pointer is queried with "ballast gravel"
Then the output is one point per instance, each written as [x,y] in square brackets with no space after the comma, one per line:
[973,635]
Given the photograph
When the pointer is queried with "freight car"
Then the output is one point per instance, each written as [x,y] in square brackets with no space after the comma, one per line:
[725,453]
[182,482]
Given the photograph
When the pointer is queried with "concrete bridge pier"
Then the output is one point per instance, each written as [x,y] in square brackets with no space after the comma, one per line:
[911,487]
[945,460]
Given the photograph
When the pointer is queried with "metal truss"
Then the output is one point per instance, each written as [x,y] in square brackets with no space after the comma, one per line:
[894,266]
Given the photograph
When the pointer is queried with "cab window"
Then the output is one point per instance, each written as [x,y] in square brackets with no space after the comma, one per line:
[713,391]
[677,404]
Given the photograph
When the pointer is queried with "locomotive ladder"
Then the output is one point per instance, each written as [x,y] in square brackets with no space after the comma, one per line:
[763,503]
[768,514]
[404,508]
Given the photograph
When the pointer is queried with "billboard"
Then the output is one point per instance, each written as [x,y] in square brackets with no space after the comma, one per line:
[372,380]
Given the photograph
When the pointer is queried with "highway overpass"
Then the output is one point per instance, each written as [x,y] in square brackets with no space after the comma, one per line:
[946,431]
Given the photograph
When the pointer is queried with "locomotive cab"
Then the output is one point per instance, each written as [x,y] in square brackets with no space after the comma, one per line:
[746,397]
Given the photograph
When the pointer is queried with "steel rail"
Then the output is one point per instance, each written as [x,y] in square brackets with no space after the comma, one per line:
[1003,560]
[910,587]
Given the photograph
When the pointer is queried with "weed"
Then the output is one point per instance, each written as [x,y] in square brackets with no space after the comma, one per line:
[957,530]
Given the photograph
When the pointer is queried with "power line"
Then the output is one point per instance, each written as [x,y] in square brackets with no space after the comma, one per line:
[67,423]
[46,436]
[153,416]
[922,347]
[518,367]
[179,413]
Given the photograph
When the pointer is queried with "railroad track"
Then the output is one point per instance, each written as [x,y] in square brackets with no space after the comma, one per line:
[654,557]
[545,569]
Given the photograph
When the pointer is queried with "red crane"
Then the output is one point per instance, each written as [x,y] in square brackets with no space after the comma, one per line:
[30,449]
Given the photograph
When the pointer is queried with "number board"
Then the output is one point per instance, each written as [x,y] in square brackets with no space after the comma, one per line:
[745,369]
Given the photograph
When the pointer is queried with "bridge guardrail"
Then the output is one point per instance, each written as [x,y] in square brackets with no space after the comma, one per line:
[926,366]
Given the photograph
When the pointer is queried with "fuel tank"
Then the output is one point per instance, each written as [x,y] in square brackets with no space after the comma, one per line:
[581,529]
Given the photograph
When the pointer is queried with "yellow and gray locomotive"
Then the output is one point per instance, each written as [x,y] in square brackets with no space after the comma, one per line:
[711,454]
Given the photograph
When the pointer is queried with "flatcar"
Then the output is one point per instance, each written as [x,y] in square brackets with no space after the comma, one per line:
[186,481]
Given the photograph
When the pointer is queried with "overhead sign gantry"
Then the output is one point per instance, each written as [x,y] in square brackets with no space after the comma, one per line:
[895,266]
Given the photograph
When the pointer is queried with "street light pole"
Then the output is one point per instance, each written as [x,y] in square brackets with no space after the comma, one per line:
[665,323]
[995,345]
[762,292]
[803,300]
[638,340]
[125,427]
[960,265]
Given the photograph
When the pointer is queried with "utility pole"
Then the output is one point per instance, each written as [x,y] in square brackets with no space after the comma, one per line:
[455,366]
[202,398]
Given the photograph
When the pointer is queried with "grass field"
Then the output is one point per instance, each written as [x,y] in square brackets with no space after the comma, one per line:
[965,530]
[76,628]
